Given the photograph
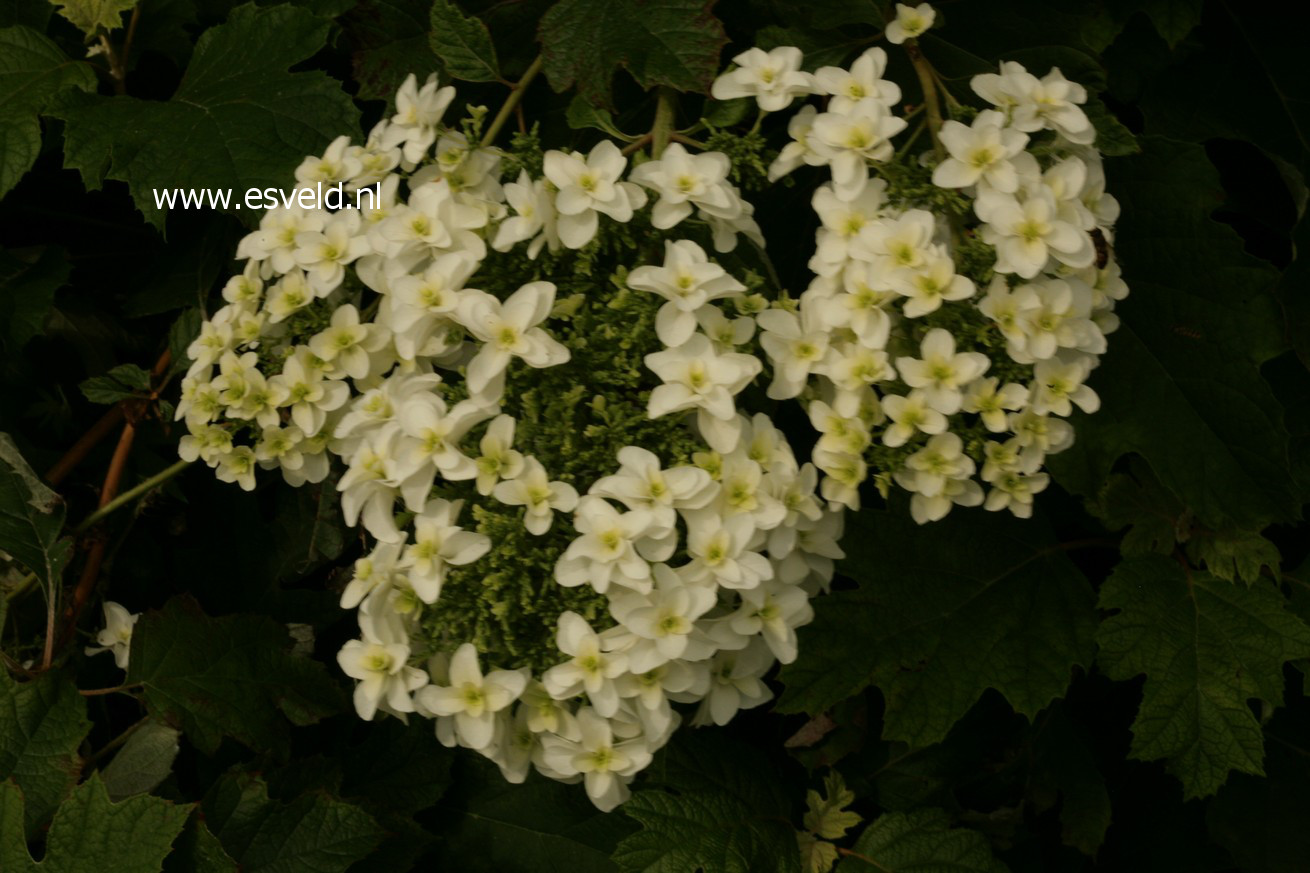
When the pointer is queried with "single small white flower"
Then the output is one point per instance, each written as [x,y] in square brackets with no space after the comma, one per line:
[508,330]
[116,637]
[695,376]
[850,139]
[773,78]
[588,186]
[533,490]
[687,280]
[991,403]
[911,22]
[591,668]
[473,698]
[908,414]
[498,459]
[980,152]
[379,663]
[346,344]
[606,766]
[438,543]
[606,551]
[940,371]
[862,81]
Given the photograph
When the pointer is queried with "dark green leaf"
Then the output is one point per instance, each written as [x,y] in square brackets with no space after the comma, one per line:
[1065,766]
[229,676]
[1173,19]
[1156,521]
[314,832]
[1262,821]
[1112,138]
[32,71]
[660,42]
[27,291]
[1234,555]
[488,825]
[1207,647]
[398,767]
[944,612]
[716,805]
[197,850]
[31,516]
[390,41]
[239,120]
[91,835]
[1181,384]
[919,842]
[42,723]
[145,760]
[120,383]
[582,115]
[463,43]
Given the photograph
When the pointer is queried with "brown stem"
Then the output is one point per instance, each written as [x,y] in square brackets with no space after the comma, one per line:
[637,144]
[96,554]
[103,427]
[851,853]
[927,82]
[74,456]
[96,692]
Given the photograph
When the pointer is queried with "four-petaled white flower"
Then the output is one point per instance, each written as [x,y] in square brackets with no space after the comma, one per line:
[688,280]
[773,78]
[540,497]
[509,330]
[695,376]
[473,698]
[911,22]
[588,186]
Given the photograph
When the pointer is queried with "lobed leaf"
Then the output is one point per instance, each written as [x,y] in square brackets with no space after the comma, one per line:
[1207,647]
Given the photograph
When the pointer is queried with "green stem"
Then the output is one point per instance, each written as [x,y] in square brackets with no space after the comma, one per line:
[131,494]
[662,130]
[515,96]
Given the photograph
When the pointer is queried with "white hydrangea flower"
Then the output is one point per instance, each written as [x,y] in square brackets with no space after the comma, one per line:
[472,697]
[540,497]
[688,280]
[773,78]
[697,377]
[589,186]
[116,637]
[911,22]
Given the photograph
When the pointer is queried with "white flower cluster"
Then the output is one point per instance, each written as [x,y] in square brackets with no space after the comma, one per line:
[359,335]
[955,392]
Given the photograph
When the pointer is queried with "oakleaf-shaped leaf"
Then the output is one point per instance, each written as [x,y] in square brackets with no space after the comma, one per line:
[921,841]
[827,815]
[716,806]
[1207,647]
[90,834]
[229,676]
[487,825]
[660,42]
[239,120]
[91,16]
[463,43]
[42,723]
[1181,383]
[944,612]
[313,832]
[32,71]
